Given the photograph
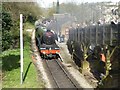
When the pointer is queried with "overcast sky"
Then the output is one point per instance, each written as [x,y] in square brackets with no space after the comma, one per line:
[47,3]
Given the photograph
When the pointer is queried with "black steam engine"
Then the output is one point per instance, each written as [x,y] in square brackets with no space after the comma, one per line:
[46,42]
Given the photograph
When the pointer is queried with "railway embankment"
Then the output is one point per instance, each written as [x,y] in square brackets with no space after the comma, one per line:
[11,68]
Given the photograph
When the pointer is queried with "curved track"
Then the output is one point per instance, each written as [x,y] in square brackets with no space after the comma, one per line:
[59,76]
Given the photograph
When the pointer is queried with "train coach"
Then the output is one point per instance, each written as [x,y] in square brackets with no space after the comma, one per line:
[46,42]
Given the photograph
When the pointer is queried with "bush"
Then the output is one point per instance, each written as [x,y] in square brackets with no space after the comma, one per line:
[6,34]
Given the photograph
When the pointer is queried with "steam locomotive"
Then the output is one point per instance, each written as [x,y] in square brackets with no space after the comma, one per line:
[46,42]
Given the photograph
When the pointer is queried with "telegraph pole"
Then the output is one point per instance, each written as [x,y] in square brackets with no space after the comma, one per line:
[57,7]
[21,48]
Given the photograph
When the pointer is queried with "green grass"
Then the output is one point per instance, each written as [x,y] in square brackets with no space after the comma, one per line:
[11,69]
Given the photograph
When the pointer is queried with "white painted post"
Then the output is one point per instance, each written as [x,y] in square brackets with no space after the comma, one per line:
[21,48]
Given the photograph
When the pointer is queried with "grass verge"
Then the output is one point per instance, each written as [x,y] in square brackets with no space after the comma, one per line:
[11,68]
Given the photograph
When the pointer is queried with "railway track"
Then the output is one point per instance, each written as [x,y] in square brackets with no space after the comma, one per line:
[58,76]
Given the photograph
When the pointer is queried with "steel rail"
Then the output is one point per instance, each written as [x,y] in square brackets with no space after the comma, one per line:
[65,73]
[52,74]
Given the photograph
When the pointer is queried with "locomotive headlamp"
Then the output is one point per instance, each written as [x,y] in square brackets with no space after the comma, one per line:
[50,48]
